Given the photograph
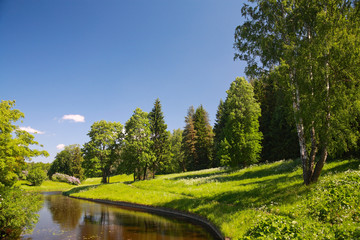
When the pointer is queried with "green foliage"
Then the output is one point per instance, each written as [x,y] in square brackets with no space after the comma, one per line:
[280,139]
[68,161]
[274,227]
[189,140]
[177,162]
[14,144]
[240,143]
[159,137]
[92,167]
[106,140]
[137,155]
[318,61]
[17,212]
[36,176]
[204,140]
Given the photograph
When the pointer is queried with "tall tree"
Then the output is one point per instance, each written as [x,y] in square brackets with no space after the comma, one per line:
[159,137]
[15,144]
[68,161]
[177,154]
[106,140]
[137,155]
[241,143]
[204,140]
[219,132]
[279,132]
[313,45]
[189,140]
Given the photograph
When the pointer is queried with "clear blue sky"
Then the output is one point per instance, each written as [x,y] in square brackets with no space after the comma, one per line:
[102,59]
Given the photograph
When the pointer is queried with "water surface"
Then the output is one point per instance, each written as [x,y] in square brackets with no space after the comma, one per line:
[67,218]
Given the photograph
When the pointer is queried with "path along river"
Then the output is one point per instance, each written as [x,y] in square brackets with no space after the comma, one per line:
[67,218]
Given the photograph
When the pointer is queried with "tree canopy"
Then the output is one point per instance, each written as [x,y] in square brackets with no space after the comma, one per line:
[106,140]
[15,144]
[313,46]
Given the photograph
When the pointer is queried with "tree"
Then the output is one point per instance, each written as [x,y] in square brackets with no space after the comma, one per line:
[17,209]
[14,144]
[279,132]
[159,137]
[137,155]
[204,140]
[106,140]
[36,176]
[68,161]
[189,140]
[219,132]
[177,160]
[241,139]
[313,46]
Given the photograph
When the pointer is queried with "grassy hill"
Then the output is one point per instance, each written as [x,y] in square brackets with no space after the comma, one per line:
[264,201]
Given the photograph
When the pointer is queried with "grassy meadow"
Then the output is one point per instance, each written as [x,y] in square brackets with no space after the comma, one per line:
[265,201]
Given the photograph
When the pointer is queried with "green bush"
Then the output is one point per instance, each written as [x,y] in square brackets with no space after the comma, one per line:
[17,211]
[36,176]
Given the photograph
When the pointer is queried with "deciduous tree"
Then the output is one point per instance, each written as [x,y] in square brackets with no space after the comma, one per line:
[106,140]
[314,46]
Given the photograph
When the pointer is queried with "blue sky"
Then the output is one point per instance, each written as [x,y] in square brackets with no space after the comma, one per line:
[102,59]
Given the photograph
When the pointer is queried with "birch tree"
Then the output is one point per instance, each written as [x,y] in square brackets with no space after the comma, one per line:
[314,47]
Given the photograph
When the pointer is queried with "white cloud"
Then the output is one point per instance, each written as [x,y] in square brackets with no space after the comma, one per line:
[31,130]
[60,146]
[74,117]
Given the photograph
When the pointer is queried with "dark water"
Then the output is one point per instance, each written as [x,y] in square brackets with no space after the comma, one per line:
[67,218]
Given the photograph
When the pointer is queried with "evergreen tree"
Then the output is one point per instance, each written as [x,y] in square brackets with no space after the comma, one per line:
[279,132]
[219,132]
[204,143]
[241,143]
[189,140]
[137,155]
[159,137]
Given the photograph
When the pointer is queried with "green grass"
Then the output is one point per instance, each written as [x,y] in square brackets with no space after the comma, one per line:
[46,186]
[266,201]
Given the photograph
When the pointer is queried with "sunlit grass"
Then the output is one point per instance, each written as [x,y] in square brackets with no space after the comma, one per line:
[240,202]
[46,186]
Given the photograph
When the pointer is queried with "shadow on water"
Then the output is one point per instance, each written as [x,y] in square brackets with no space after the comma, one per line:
[67,218]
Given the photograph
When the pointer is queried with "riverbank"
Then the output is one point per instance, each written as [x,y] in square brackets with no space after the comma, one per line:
[267,200]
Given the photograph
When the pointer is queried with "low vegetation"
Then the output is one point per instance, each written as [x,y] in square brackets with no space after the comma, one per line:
[261,201]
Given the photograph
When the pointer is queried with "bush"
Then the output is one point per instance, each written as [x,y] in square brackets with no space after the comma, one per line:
[60,177]
[17,212]
[36,176]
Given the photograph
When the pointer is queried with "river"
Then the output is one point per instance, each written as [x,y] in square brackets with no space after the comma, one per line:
[67,218]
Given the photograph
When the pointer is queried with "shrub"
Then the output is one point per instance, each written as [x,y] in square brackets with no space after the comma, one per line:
[17,212]
[36,176]
[60,177]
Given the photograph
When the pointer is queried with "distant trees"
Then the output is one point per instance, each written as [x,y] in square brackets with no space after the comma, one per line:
[68,161]
[103,149]
[197,140]
[238,139]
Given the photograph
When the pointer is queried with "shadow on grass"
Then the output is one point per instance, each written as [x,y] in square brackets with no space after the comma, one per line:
[226,175]
[80,189]
[342,166]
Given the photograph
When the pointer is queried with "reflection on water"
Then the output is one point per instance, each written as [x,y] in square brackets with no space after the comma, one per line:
[66,218]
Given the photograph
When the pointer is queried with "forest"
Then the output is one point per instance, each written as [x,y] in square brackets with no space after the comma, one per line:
[300,100]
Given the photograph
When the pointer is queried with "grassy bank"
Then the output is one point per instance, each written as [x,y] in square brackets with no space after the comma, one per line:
[265,201]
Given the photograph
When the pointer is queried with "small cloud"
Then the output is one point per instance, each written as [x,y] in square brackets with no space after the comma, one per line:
[31,130]
[60,146]
[74,117]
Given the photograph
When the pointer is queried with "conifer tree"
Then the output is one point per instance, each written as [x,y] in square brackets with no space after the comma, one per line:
[159,137]
[204,143]
[189,140]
